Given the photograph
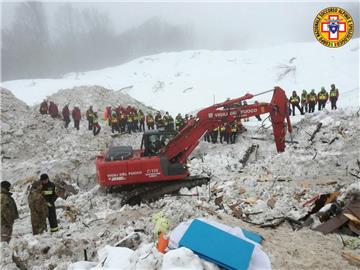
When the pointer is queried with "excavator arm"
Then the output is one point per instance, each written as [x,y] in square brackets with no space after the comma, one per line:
[180,148]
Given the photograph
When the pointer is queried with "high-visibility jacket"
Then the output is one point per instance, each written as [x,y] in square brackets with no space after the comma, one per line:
[312,98]
[222,129]
[294,99]
[130,118]
[334,93]
[149,119]
[234,129]
[114,119]
[323,96]
[95,120]
[216,129]
[304,97]
[49,192]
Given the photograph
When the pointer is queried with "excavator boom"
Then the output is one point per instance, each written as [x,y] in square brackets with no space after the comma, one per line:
[121,165]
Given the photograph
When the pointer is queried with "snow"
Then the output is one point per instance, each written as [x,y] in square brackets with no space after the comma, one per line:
[190,80]
[92,219]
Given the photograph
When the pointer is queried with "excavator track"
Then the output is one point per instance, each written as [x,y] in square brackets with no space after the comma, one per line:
[149,192]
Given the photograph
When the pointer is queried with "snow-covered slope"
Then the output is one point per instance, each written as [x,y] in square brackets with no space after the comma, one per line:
[189,80]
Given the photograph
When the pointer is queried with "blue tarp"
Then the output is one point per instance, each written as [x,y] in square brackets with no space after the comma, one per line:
[217,246]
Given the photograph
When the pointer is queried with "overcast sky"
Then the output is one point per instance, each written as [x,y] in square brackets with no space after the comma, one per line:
[228,25]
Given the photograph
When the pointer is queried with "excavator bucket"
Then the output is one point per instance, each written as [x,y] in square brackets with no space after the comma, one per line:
[278,114]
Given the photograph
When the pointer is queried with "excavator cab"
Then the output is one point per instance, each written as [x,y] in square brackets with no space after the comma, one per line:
[155,140]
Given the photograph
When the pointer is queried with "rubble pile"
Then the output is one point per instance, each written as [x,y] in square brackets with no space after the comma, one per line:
[267,190]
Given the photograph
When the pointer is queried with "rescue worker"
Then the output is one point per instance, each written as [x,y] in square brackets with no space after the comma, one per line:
[38,208]
[135,125]
[222,132]
[53,110]
[166,120]
[207,137]
[95,124]
[227,133]
[150,121]
[322,98]
[159,121]
[234,131]
[244,104]
[170,123]
[304,101]
[334,95]
[141,117]
[122,121]
[114,123]
[44,107]
[214,135]
[76,115]
[89,117]
[49,193]
[108,113]
[179,122]
[130,120]
[312,99]
[295,101]
[9,212]
[66,115]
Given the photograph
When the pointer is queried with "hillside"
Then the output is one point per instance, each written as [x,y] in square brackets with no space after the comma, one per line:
[189,80]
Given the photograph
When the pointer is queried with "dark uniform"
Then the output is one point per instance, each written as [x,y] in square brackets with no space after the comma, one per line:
[312,99]
[66,115]
[89,117]
[114,123]
[304,101]
[49,193]
[9,212]
[334,95]
[150,121]
[38,208]
[222,132]
[44,107]
[141,117]
[295,101]
[322,98]
[214,135]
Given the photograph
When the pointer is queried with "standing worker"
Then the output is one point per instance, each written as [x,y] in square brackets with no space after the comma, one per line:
[322,98]
[114,123]
[234,131]
[150,121]
[89,117]
[76,115]
[38,208]
[334,95]
[53,110]
[304,101]
[48,190]
[141,117]
[295,101]
[66,115]
[9,212]
[44,107]
[312,99]
[222,132]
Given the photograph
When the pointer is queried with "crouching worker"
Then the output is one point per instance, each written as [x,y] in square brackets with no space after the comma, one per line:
[38,208]
[48,189]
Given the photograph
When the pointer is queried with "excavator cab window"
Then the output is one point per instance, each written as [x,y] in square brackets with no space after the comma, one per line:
[153,141]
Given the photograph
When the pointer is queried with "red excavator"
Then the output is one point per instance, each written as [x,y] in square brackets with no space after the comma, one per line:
[159,166]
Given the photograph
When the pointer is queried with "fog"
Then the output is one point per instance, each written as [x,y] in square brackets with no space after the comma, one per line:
[79,36]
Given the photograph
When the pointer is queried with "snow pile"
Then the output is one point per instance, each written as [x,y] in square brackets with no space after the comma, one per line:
[189,80]
[34,143]
[97,96]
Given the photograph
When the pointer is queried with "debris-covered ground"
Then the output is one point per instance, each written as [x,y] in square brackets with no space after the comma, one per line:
[263,192]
